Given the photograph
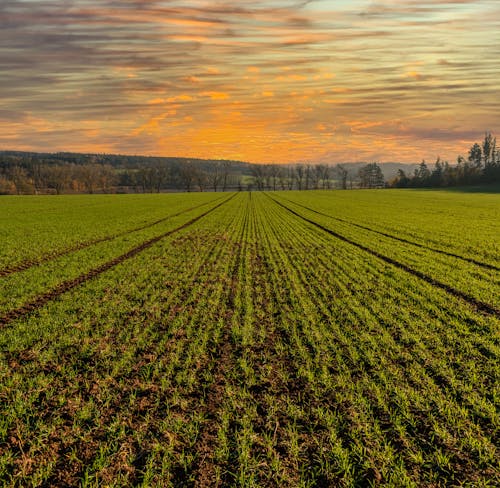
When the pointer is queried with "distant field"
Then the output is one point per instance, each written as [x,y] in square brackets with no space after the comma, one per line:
[288,339]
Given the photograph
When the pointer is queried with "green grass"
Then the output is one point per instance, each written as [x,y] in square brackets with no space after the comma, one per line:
[268,343]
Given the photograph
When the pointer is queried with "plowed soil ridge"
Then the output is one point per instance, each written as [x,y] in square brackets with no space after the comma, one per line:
[68,285]
[480,306]
[30,263]
[400,239]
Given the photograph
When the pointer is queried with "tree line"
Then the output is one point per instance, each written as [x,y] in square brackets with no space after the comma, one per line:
[482,165]
[34,173]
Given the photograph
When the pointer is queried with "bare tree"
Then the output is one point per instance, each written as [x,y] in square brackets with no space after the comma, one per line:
[308,175]
[299,175]
[57,177]
[187,175]
[215,177]
[20,179]
[225,174]
[259,174]
[89,175]
[273,174]
[343,173]
[325,176]
[201,179]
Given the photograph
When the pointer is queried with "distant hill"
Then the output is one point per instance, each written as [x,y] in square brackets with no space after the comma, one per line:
[136,161]
[122,160]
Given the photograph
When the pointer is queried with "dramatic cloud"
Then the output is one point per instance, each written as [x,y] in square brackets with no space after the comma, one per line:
[264,81]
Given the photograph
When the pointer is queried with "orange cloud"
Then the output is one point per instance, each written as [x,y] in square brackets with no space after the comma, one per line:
[215,95]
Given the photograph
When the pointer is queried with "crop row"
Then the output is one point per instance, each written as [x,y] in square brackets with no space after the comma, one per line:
[464,224]
[475,282]
[55,271]
[91,392]
[36,229]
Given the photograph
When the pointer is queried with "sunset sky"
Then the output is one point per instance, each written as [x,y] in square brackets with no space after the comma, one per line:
[260,81]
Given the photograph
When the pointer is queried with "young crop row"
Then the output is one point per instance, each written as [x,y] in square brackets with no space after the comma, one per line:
[251,347]
[92,393]
[53,272]
[476,281]
[408,375]
[34,230]
[464,224]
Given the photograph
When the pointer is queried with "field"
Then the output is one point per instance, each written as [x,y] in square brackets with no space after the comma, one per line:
[287,339]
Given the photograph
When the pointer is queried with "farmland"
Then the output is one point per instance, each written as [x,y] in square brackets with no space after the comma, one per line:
[336,338]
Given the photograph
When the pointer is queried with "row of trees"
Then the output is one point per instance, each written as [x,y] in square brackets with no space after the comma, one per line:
[28,174]
[315,177]
[57,178]
[482,165]
[298,177]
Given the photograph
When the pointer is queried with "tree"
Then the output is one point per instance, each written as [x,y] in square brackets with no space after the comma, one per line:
[325,176]
[57,177]
[307,175]
[89,175]
[274,174]
[343,173]
[422,174]
[20,178]
[282,176]
[489,149]
[259,173]
[436,176]
[225,174]
[371,176]
[401,180]
[317,172]
[476,155]
[187,175]
[299,175]
[201,179]
[290,177]
[215,177]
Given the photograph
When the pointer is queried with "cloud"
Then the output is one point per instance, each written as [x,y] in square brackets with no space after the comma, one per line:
[215,95]
[150,73]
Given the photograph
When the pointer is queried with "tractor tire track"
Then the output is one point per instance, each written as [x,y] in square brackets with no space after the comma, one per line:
[68,285]
[30,263]
[400,239]
[479,305]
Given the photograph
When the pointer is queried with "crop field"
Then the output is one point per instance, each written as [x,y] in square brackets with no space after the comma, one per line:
[264,339]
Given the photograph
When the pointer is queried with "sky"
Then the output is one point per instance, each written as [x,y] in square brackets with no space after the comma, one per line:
[261,81]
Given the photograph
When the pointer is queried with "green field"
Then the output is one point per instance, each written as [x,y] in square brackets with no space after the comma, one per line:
[287,339]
